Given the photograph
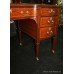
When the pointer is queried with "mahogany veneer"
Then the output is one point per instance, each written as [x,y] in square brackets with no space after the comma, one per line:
[40,21]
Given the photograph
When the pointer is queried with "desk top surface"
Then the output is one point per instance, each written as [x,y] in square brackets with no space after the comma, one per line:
[26,4]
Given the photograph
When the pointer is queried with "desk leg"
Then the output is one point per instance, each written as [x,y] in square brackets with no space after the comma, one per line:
[37,46]
[19,33]
[53,44]
[54,39]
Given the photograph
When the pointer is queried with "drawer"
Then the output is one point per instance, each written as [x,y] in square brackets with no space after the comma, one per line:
[46,32]
[49,21]
[49,11]
[21,12]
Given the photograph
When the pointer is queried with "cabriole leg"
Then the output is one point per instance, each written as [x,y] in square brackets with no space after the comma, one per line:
[18,32]
[53,44]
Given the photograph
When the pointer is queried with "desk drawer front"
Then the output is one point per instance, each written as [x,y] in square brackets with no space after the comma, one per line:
[49,11]
[14,12]
[22,12]
[27,12]
[49,21]
[46,32]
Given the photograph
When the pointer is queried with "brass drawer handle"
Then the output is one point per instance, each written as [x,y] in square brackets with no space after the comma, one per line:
[27,12]
[21,12]
[49,28]
[49,11]
[47,32]
[51,31]
[48,21]
[50,18]
[52,11]
[52,21]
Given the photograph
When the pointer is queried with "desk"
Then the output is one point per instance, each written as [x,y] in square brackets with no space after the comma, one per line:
[40,21]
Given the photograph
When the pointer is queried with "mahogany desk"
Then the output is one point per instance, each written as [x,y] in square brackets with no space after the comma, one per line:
[40,21]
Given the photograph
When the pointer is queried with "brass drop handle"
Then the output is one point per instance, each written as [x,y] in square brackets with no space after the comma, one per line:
[52,11]
[27,12]
[48,21]
[51,32]
[49,28]
[50,18]
[49,11]
[21,12]
[47,32]
[52,21]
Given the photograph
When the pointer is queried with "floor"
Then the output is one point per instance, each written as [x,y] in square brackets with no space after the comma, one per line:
[22,58]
